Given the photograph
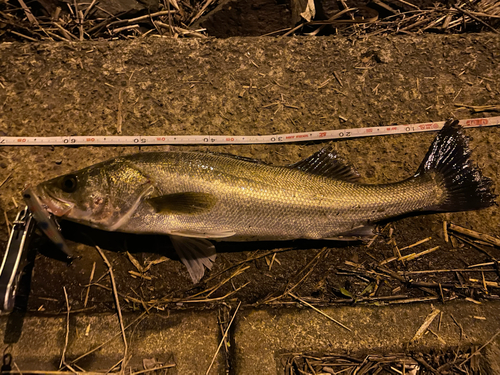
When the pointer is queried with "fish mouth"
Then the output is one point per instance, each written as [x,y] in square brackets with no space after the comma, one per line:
[55,205]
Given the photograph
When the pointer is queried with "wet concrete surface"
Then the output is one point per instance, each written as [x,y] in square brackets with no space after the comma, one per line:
[260,338]
[185,340]
[263,337]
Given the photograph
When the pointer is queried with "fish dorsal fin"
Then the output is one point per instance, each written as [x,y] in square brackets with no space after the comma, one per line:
[188,203]
[327,163]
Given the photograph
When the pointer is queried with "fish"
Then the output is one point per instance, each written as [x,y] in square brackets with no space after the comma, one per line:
[199,197]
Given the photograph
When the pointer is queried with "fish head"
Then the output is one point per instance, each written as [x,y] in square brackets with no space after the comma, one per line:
[98,196]
[82,196]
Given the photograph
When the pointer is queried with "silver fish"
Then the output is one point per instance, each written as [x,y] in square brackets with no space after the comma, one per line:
[196,197]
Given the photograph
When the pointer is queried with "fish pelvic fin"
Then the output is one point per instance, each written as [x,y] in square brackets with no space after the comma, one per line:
[195,254]
[448,160]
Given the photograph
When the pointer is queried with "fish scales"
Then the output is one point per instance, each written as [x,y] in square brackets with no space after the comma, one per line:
[259,201]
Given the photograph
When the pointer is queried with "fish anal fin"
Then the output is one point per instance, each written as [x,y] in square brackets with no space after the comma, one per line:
[189,203]
[327,163]
[195,254]
[361,233]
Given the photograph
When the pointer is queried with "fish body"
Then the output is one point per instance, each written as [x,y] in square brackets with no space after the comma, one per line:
[193,197]
[233,199]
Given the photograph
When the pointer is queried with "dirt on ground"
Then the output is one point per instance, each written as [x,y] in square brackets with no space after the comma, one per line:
[252,86]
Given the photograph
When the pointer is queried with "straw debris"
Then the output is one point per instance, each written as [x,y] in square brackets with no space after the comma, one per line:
[450,361]
[47,20]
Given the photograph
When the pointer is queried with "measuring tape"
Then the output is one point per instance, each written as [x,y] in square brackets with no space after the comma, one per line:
[126,140]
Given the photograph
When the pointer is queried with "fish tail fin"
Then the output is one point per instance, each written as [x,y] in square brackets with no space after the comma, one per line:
[448,158]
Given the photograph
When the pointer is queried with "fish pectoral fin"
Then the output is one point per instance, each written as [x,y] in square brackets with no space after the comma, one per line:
[361,233]
[327,163]
[207,233]
[195,254]
[188,203]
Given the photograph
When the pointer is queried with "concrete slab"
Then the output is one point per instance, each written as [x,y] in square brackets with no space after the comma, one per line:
[241,86]
[261,337]
[188,339]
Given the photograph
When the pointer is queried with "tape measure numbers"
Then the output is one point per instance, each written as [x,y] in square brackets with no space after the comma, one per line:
[125,140]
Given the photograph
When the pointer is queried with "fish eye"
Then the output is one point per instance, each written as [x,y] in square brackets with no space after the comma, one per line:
[69,183]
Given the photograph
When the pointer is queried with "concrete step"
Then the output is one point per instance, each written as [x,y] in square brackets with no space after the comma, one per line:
[259,338]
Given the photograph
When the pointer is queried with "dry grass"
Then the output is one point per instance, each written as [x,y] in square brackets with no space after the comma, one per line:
[85,21]
[35,21]
[453,361]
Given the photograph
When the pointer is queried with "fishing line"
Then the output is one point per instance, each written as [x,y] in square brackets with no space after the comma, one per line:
[150,140]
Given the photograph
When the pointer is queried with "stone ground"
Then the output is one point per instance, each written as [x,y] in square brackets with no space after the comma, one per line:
[261,338]
[242,86]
